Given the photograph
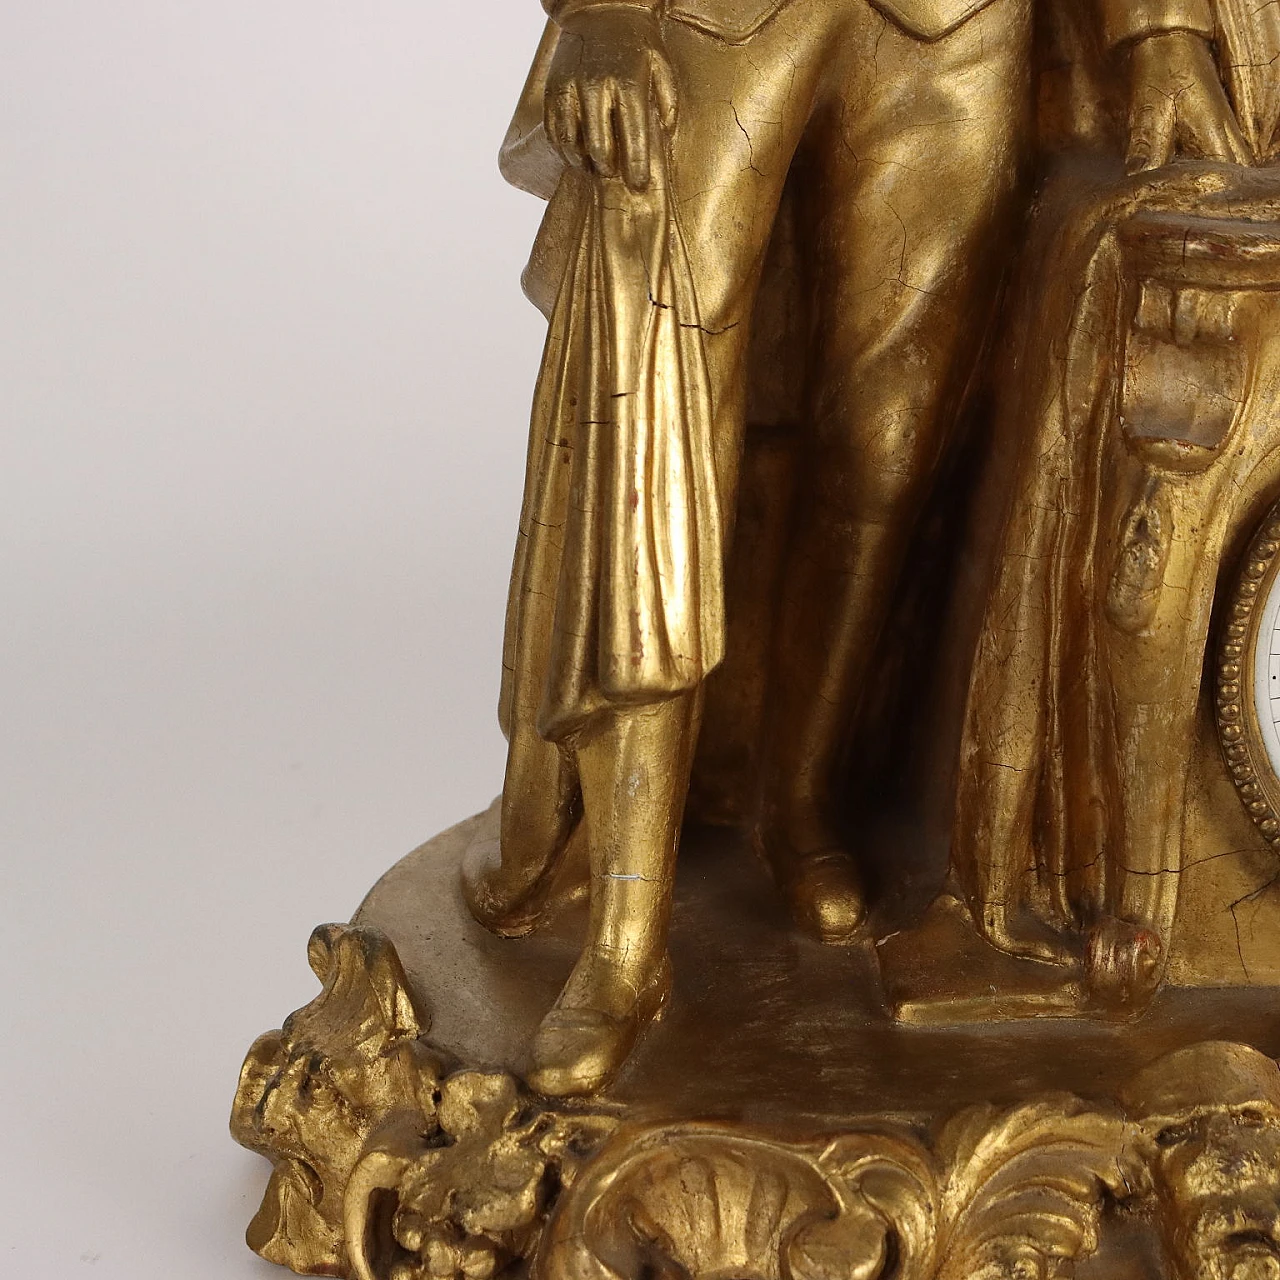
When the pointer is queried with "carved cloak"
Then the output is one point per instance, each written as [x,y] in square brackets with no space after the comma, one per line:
[620,526]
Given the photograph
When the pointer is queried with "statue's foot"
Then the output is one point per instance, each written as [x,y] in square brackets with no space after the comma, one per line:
[1122,966]
[584,1040]
[514,903]
[1024,936]
[822,886]
[826,896]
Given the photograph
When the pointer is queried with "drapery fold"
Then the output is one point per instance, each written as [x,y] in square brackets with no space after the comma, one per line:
[617,592]
[1249,37]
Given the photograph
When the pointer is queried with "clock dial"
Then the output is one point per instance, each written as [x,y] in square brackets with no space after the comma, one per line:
[1248,683]
[1266,675]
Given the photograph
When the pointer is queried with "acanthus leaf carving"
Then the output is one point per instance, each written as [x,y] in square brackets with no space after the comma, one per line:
[1024,1189]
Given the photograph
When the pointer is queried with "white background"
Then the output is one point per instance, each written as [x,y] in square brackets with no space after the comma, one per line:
[264,379]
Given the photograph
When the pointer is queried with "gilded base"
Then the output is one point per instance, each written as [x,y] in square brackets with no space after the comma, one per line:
[740,1142]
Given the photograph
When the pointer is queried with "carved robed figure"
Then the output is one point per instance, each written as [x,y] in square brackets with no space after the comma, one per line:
[803,261]
[669,137]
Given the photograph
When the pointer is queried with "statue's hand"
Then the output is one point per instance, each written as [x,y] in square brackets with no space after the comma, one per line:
[609,85]
[1177,105]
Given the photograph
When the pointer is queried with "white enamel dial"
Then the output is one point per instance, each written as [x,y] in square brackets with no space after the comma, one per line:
[1266,674]
[1247,694]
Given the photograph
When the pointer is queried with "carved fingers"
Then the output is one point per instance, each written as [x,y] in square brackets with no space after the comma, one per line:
[610,93]
[1177,105]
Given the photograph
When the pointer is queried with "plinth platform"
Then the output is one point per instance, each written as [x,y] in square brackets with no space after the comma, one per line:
[765,1026]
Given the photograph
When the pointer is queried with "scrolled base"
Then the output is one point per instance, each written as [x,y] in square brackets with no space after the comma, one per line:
[403,1150]
[393,1163]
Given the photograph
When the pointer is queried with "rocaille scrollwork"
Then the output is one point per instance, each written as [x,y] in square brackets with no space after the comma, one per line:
[392,1163]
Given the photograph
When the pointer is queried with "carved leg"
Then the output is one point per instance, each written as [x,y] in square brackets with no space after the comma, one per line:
[1008,728]
[1155,677]
[894,351]
[1159,600]
[1167,502]
[635,775]
[508,882]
